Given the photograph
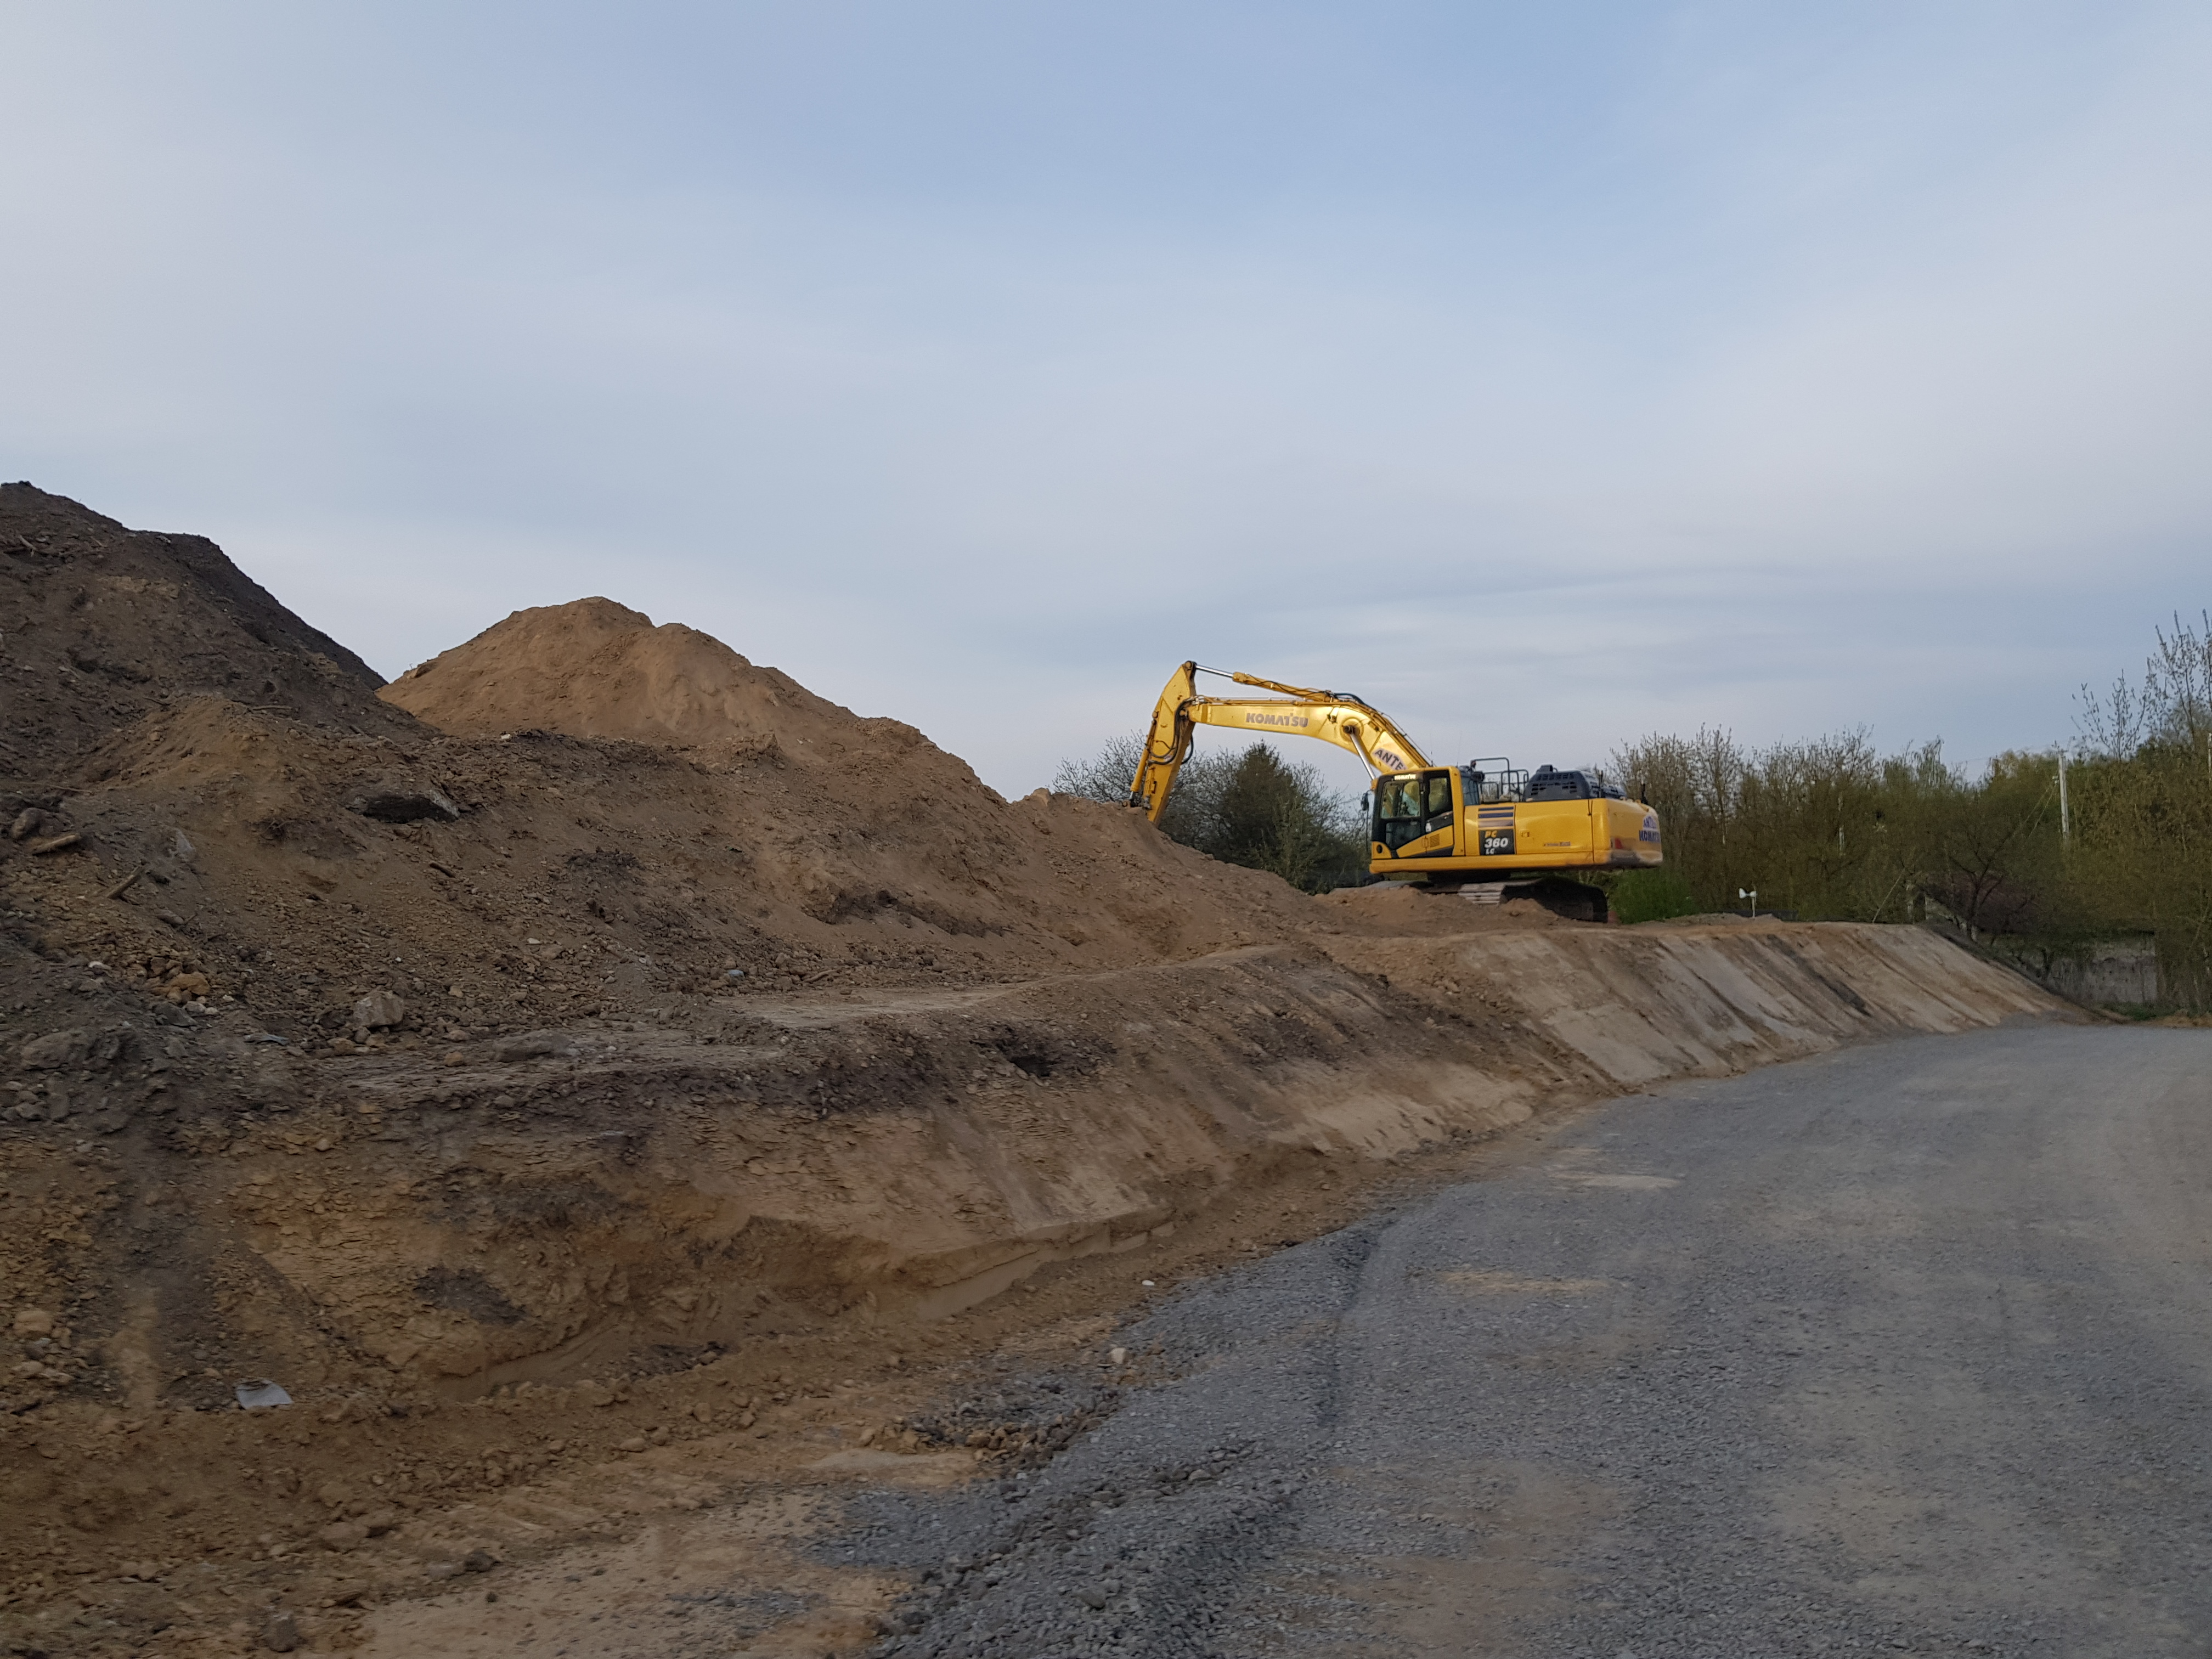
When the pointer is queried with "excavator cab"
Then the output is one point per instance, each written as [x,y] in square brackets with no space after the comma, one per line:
[1414,814]
[1419,814]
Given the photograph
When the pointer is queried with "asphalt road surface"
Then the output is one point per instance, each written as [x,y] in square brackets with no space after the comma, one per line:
[1908,1348]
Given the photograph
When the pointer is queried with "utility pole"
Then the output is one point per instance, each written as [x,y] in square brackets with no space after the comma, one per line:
[2065,823]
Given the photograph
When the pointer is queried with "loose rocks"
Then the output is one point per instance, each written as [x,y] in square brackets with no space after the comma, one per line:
[55,1050]
[379,1008]
[533,1045]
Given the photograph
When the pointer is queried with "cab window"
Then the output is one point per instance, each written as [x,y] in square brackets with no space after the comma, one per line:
[1407,808]
[1398,798]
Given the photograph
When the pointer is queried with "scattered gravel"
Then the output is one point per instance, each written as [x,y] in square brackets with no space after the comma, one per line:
[1903,1350]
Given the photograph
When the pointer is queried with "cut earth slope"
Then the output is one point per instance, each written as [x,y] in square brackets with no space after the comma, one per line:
[597,1014]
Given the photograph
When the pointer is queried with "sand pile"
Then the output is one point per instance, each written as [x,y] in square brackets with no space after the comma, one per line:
[596,668]
[859,824]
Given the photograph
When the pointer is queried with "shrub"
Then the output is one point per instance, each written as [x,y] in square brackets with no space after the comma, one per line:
[1249,807]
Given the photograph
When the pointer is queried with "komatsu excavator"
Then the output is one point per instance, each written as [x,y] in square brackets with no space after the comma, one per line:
[1484,828]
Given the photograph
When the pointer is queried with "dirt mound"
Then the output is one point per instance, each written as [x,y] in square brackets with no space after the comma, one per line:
[1393,909]
[595,669]
[636,1019]
[859,826]
[100,625]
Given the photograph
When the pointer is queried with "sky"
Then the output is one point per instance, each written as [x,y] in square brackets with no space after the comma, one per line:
[1547,376]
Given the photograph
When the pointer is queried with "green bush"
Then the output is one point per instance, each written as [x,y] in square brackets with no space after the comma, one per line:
[1249,807]
[1650,896]
[1833,830]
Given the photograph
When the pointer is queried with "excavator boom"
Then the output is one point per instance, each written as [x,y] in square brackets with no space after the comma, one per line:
[1300,712]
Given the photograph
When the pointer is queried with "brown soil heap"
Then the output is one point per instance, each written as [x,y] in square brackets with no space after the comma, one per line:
[596,1014]
[596,668]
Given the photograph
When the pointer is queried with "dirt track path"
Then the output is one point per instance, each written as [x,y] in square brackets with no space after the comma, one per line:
[1908,1347]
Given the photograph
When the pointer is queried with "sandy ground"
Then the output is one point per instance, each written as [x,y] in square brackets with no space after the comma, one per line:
[616,1082]
[361,1505]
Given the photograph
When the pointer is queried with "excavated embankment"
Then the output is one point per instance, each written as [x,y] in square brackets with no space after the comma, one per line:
[595,1010]
[881,1158]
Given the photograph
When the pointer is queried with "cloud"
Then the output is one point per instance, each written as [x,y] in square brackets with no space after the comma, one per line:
[1547,379]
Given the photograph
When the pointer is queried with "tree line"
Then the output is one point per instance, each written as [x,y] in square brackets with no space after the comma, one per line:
[1830,829]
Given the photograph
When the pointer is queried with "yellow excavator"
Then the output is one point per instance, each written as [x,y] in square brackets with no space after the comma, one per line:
[1487,829]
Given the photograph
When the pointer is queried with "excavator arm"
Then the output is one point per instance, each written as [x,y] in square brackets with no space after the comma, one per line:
[1301,712]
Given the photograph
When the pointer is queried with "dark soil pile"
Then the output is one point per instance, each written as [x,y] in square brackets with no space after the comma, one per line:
[103,625]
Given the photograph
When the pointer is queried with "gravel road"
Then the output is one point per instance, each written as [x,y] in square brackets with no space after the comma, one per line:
[1908,1348]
